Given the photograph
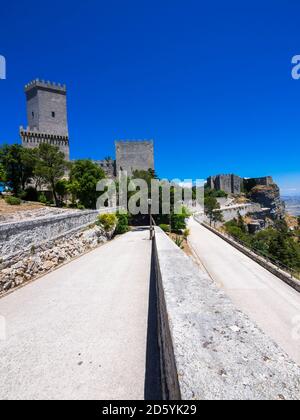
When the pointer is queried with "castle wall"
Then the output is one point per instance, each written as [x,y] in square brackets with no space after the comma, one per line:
[229,183]
[134,155]
[108,166]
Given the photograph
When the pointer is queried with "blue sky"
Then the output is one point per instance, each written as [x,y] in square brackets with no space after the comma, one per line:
[210,82]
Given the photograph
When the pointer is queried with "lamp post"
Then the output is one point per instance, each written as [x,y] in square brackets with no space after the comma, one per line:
[150,216]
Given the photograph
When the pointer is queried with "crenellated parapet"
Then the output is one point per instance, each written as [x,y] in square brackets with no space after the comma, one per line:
[33,138]
[37,83]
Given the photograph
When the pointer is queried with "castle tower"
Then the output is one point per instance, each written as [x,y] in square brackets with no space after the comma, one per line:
[46,116]
[134,155]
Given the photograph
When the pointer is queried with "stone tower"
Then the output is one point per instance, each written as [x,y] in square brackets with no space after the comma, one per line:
[46,116]
[134,155]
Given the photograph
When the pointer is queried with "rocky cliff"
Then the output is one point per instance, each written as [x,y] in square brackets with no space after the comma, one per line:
[268,196]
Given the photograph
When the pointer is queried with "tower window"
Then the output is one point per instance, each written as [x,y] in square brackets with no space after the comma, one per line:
[53,114]
[32,114]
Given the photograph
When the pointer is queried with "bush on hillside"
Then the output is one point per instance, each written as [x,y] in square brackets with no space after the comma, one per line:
[123,224]
[13,201]
[107,221]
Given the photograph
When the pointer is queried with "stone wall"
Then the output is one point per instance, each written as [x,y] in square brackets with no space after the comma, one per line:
[209,349]
[30,264]
[21,236]
[233,211]
[283,275]
[229,183]
[134,155]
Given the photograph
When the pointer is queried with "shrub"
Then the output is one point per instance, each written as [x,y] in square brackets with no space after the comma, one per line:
[42,198]
[22,195]
[179,242]
[122,225]
[186,233]
[108,221]
[13,201]
[165,227]
[178,222]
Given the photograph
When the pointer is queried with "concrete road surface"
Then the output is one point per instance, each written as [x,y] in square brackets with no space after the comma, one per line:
[80,332]
[266,299]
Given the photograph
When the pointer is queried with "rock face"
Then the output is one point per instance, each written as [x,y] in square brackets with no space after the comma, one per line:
[42,259]
[268,196]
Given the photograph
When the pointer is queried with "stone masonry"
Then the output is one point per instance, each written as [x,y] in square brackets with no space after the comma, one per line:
[46,116]
[134,155]
[229,183]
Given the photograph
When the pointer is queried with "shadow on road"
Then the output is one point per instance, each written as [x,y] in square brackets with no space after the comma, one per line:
[153,390]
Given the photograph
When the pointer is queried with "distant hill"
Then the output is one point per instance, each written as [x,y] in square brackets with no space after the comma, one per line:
[292,205]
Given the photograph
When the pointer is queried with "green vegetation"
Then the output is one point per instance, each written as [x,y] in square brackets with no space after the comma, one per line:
[50,166]
[211,209]
[179,242]
[165,227]
[277,243]
[178,221]
[84,176]
[46,166]
[186,233]
[13,201]
[16,166]
[208,192]
[42,198]
[122,223]
[107,221]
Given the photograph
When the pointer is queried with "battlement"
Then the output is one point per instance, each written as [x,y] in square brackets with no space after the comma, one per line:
[35,133]
[45,85]
[133,141]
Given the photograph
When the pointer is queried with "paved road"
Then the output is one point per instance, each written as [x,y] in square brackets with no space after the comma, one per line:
[271,303]
[80,332]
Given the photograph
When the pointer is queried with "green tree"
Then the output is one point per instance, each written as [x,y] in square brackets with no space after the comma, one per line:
[62,188]
[17,163]
[2,174]
[84,177]
[210,206]
[217,216]
[241,224]
[50,166]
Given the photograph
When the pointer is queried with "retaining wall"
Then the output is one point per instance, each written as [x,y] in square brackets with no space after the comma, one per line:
[209,349]
[283,275]
[21,236]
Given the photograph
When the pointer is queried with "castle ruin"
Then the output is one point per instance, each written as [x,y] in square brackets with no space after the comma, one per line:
[230,183]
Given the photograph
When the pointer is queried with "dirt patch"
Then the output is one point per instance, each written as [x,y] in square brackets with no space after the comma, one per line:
[8,209]
[27,211]
[184,245]
[291,221]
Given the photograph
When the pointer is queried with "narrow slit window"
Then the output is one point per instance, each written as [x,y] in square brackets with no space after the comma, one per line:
[53,114]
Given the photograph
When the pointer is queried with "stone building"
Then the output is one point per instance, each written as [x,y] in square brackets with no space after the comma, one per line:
[108,166]
[230,183]
[134,155]
[46,116]
[250,183]
[47,123]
